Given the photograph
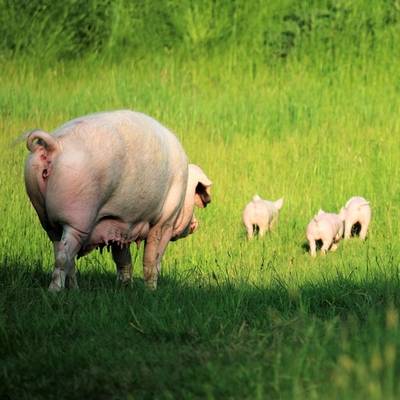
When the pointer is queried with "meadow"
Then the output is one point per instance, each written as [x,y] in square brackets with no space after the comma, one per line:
[231,318]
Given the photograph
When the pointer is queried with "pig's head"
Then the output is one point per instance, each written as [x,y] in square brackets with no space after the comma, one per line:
[198,192]
[199,187]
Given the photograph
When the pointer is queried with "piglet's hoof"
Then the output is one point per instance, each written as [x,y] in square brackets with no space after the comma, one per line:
[334,247]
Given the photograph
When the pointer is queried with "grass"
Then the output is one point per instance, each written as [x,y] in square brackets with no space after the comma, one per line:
[231,318]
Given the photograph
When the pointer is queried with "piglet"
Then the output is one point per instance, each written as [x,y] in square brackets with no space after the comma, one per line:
[262,214]
[356,210]
[327,227]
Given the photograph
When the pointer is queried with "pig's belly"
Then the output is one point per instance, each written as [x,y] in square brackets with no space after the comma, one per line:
[110,231]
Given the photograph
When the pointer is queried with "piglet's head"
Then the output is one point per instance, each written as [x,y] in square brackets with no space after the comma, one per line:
[200,185]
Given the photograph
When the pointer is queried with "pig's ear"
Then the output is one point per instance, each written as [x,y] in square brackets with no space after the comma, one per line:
[278,204]
[202,194]
[39,140]
[342,213]
[320,211]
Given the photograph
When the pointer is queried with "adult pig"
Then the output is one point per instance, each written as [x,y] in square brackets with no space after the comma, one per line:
[262,214]
[327,227]
[356,210]
[112,178]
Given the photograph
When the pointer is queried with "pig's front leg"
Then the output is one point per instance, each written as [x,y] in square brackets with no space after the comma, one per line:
[165,238]
[65,252]
[123,261]
[154,249]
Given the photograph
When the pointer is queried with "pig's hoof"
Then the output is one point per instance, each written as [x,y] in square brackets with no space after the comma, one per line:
[151,285]
[71,283]
[54,288]
[124,279]
[124,282]
[73,287]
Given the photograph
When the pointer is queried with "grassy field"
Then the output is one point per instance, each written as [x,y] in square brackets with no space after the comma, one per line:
[231,318]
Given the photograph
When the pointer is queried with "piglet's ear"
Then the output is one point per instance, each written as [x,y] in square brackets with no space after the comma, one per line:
[202,194]
[279,203]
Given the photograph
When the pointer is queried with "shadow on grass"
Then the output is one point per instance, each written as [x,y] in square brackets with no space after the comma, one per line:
[106,341]
[325,298]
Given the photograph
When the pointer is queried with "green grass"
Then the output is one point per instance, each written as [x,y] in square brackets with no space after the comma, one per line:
[231,319]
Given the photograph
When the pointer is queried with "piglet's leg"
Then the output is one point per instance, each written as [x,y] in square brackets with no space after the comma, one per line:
[262,230]
[273,222]
[65,252]
[123,261]
[363,231]
[326,244]
[249,229]
[347,229]
[313,248]
[334,247]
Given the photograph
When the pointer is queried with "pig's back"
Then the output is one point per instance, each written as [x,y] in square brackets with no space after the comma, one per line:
[132,157]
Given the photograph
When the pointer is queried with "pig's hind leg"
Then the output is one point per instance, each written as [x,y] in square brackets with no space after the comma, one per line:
[326,245]
[313,247]
[364,229]
[250,231]
[65,251]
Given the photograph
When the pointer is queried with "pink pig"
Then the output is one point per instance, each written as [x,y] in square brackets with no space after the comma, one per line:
[356,210]
[110,179]
[262,214]
[327,227]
